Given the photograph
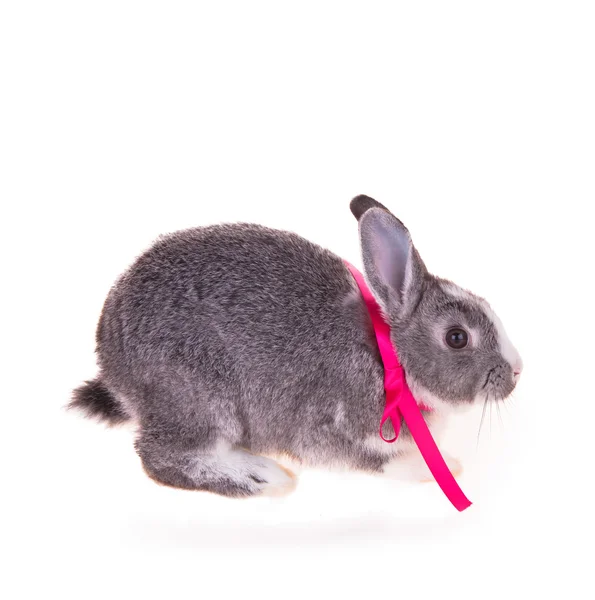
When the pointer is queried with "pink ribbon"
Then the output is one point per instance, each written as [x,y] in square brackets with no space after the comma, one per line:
[400,402]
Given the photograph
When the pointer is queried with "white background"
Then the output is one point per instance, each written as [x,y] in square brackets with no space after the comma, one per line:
[473,122]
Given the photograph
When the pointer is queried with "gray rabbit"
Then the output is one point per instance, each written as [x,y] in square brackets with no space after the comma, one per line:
[227,343]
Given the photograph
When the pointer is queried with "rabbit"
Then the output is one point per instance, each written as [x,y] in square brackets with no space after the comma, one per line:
[230,344]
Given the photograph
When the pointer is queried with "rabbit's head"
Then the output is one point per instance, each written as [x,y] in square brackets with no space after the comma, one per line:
[452,345]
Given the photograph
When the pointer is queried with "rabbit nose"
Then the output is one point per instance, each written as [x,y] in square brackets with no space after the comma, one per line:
[517,373]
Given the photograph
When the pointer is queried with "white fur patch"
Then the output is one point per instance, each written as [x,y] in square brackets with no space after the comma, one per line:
[508,351]
[424,396]
[239,465]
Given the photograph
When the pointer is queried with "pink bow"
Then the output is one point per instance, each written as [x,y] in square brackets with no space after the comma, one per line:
[401,403]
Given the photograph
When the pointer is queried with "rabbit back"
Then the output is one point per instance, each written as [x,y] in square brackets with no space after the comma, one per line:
[248,333]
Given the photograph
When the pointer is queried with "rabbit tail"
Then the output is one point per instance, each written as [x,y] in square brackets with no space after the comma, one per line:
[96,401]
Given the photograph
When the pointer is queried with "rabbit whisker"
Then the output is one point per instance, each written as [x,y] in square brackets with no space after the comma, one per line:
[483,414]
[506,409]
[487,381]
[499,414]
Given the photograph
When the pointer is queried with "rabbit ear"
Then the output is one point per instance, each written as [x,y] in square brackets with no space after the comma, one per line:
[360,204]
[393,268]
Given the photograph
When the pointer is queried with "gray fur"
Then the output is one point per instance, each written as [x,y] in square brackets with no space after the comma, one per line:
[256,339]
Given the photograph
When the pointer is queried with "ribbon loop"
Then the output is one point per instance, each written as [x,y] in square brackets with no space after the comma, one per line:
[395,419]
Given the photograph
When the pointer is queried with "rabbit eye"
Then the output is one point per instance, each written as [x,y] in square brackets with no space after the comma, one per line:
[457,338]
